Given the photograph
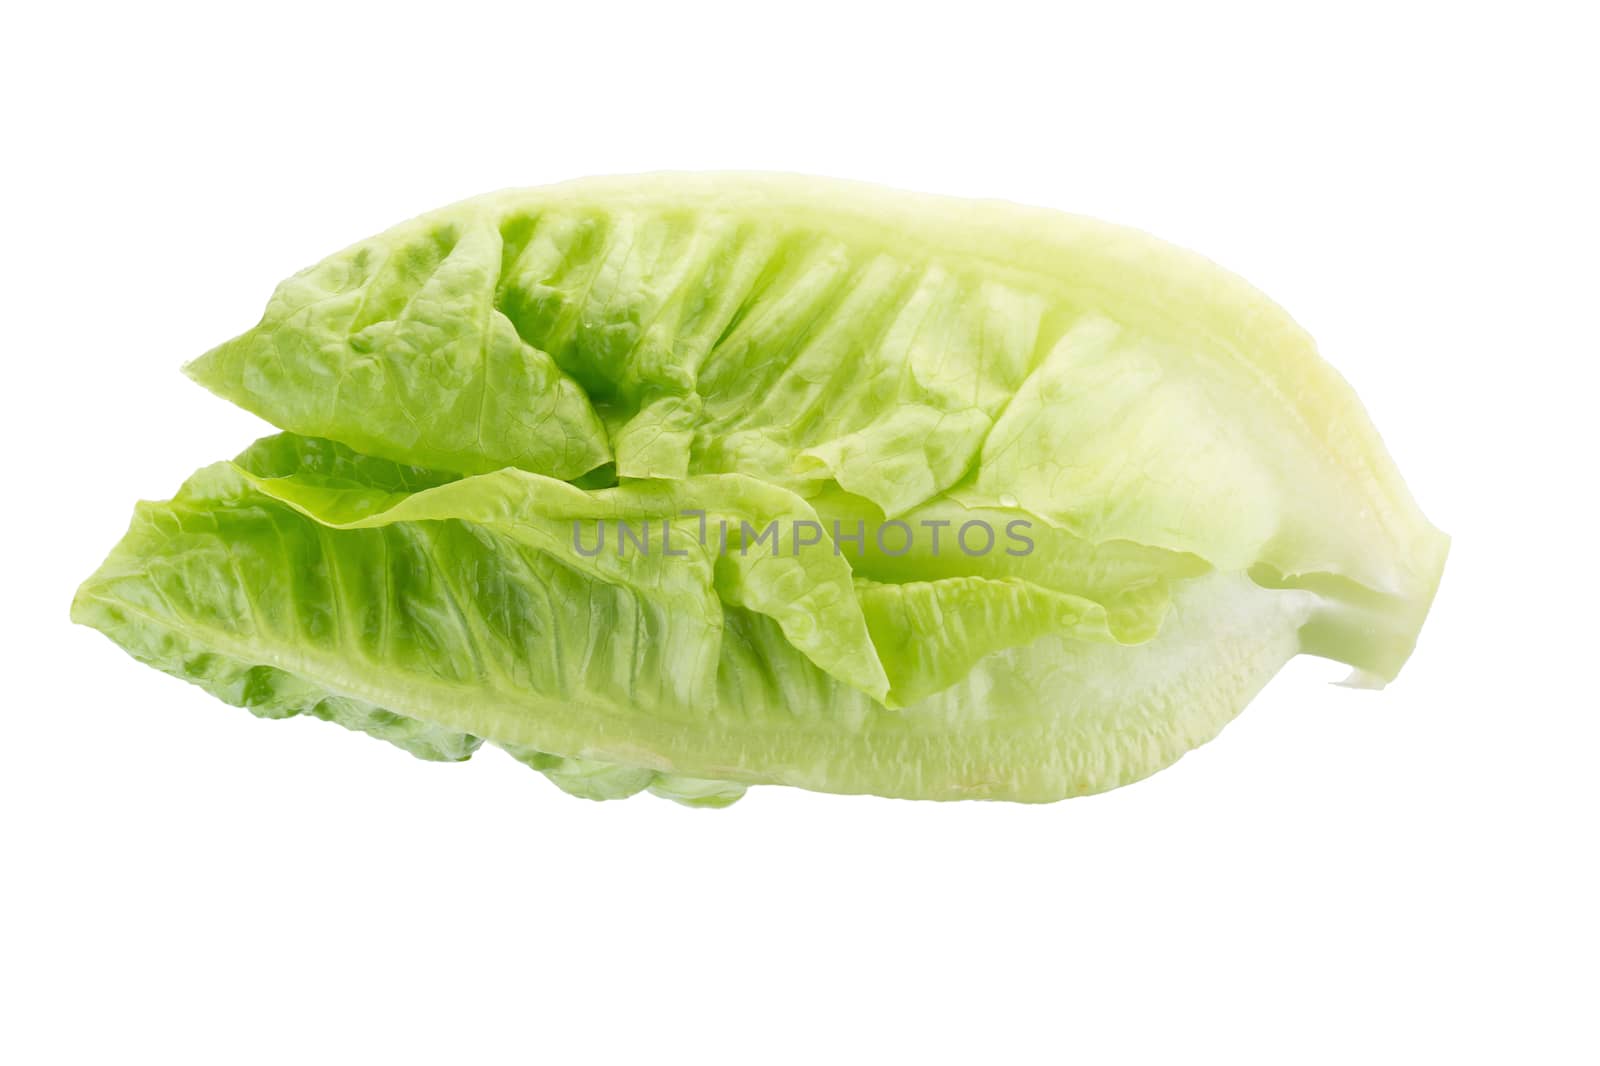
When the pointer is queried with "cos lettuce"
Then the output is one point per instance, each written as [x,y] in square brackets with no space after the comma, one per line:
[473,397]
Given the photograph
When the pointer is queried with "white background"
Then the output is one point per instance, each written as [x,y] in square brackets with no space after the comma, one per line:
[1403,876]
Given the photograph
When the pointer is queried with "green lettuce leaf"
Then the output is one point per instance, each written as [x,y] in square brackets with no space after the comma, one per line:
[900,347]
[455,615]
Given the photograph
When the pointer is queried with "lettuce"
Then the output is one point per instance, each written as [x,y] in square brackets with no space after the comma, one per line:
[789,389]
